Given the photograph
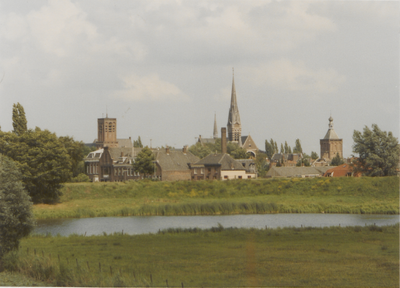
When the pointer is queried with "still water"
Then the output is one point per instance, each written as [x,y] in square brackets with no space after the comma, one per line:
[151,224]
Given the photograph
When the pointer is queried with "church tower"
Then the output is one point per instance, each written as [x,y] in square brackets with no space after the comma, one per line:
[215,134]
[234,126]
[331,144]
[106,132]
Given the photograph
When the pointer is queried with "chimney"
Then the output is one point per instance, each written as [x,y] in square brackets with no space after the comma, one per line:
[184,149]
[223,140]
[167,150]
[122,154]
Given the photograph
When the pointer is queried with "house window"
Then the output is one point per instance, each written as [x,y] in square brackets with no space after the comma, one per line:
[240,177]
[225,176]
[202,171]
[87,169]
[249,177]
[195,171]
[209,170]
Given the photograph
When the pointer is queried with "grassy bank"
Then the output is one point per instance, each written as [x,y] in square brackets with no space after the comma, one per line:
[335,257]
[317,195]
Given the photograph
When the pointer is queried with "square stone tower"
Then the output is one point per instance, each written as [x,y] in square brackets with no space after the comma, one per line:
[106,132]
[331,144]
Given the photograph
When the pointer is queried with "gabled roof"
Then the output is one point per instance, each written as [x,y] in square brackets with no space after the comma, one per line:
[175,160]
[294,171]
[339,171]
[221,159]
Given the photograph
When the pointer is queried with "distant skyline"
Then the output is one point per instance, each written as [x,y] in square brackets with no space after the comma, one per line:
[163,68]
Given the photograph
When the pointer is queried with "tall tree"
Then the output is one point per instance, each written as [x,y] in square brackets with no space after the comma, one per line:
[261,164]
[290,150]
[282,149]
[276,147]
[314,155]
[144,162]
[138,143]
[16,218]
[297,147]
[76,152]
[286,147]
[42,160]
[336,161]
[19,120]
[378,152]
[269,149]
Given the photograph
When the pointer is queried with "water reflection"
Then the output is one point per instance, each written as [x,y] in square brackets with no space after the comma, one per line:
[151,224]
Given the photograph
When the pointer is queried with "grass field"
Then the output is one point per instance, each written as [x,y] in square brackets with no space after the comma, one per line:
[295,195]
[335,257]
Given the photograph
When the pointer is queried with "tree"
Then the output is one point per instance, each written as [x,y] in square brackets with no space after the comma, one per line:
[314,155]
[378,152]
[76,152]
[269,149]
[240,153]
[16,218]
[282,149]
[261,164]
[286,147]
[336,161]
[138,143]
[19,119]
[199,150]
[297,147]
[144,162]
[42,160]
[290,150]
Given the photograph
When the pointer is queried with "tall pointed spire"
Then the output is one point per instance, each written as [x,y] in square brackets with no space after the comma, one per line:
[215,134]
[234,125]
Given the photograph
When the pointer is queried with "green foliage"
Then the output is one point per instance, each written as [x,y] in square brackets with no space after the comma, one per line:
[261,164]
[76,152]
[378,152]
[297,147]
[282,149]
[240,153]
[336,161]
[138,143]
[217,257]
[199,150]
[19,119]
[286,149]
[82,177]
[144,162]
[42,160]
[16,219]
[314,155]
[269,149]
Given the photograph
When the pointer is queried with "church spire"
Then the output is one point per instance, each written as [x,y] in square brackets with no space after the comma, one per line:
[215,134]
[234,125]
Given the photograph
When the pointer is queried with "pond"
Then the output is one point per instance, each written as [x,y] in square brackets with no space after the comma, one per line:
[152,224]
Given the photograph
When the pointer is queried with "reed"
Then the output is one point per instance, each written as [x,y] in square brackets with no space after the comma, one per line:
[221,256]
[295,195]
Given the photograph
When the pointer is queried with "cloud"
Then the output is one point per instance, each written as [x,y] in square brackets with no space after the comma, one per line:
[284,74]
[149,88]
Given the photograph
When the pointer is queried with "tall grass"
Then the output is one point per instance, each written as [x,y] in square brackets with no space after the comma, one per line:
[295,195]
[220,256]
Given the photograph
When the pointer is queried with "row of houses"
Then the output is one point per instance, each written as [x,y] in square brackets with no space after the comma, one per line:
[114,163]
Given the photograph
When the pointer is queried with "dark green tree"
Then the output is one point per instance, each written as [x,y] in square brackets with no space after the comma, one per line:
[290,150]
[336,161]
[199,150]
[378,152]
[314,155]
[144,162]
[240,153]
[16,218]
[269,149]
[282,149]
[276,147]
[297,147]
[261,164]
[76,152]
[42,160]
[286,147]
[138,143]
[19,120]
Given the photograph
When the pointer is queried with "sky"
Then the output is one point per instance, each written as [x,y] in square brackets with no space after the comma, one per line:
[163,68]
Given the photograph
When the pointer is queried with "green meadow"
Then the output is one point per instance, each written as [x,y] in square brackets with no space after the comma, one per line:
[358,256]
[379,195]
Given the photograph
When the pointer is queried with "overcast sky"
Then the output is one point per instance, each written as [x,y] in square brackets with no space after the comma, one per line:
[163,68]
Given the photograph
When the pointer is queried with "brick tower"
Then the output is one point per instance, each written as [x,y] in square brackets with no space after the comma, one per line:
[107,132]
[331,144]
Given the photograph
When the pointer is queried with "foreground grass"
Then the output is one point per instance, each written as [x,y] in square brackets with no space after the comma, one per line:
[334,257]
[295,195]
